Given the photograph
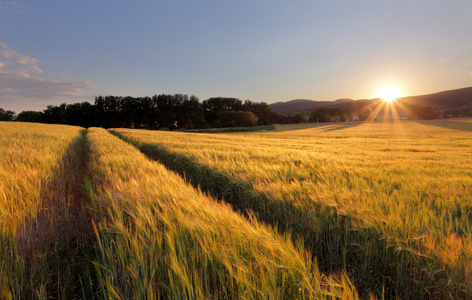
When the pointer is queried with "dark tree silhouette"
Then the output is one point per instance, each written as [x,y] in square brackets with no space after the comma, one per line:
[30,116]
[299,117]
[261,110]
[230,118]
[54,114]
[420,112]
[108,112]
[320,114]
[80,114]
[364,113]
[6,115]
[212,106]
[157,112]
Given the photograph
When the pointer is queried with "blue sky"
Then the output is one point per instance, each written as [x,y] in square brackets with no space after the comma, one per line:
[71,51]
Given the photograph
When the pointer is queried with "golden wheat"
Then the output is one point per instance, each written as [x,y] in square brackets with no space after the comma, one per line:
[159,237]
[411,182]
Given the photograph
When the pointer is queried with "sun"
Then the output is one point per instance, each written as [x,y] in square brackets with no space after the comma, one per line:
[389,93]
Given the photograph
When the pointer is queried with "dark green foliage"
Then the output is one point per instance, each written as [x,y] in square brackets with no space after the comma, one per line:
[299,117]
[54,114]
[135,112]
[80,114]
[364,113]
[261,110]
[420,112]
[213,109]
[108,111]
[177,111]
[235,118]
[6,115]
[457,113]
[30,116]
[330,114]
[214,105]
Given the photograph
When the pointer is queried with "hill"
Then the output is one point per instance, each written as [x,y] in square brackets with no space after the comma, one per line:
[446,99]
[297,105]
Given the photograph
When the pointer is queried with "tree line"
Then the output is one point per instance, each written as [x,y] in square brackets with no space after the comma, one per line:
[177,111]
[180,111]
[6,115]
[457,113]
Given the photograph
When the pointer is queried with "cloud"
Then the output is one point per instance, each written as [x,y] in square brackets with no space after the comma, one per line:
[18,61]
[4,5]
[22,80]
[19,84]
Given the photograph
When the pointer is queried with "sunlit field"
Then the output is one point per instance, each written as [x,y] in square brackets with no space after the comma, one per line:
[29,154]
[387,202]
[38,207]
[304,211]
[160,238]
[85,215]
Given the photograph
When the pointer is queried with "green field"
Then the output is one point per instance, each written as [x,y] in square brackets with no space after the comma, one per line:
[304,211]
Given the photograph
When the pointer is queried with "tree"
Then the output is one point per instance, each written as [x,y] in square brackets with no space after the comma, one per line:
[262,110]
[6,115]
[166,110]
[54,114]
[231,118]
[135,112]
[457,113]
[108,111]
[420,112]
[320,114]
[222,103]
[30,116]
[212,106]
[191,113]
[330,114]
[299,117]
[80,114]
[364,114]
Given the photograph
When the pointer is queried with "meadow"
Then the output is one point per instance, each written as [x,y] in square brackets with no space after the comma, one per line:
[387,202]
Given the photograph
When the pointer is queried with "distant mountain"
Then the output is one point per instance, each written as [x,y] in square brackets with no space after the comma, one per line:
[442,100]
[297,105]
[447,99]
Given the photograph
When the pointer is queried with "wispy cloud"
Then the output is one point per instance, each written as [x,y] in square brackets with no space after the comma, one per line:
[14,5]
[20,84]
[18,61]
[22,81]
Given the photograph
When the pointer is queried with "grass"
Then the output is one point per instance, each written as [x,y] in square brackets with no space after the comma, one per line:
[96,220]
[28,157]
[388,202]
[323,210]
[232,129]
[159,237]
[41,218]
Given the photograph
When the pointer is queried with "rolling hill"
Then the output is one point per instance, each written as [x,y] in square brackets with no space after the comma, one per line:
[442,100]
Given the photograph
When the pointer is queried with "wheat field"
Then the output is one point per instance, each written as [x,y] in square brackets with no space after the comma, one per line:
[309,211]
[388,202]
[97,219]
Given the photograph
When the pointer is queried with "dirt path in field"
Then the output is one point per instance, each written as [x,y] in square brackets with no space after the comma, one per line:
[61,218]
[60,237]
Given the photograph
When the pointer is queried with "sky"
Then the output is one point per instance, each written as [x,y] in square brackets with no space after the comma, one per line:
[66,51]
